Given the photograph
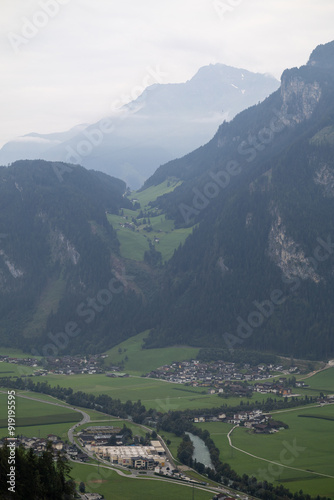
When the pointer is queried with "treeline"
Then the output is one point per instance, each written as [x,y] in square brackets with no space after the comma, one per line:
[137,410]
[36,477]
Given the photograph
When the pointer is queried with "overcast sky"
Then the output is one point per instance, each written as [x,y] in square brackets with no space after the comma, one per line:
[71,62]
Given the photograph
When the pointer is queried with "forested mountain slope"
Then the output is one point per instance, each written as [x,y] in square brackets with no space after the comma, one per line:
[258,271]
[59,259]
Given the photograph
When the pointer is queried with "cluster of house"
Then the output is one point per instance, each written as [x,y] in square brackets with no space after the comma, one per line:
[202,374]
[256,420]
[95,439]
[19,361]
[40,444]
[63,365]
[73,365]
[279,387]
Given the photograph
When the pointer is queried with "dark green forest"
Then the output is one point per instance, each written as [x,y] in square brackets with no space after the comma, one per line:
[36,477]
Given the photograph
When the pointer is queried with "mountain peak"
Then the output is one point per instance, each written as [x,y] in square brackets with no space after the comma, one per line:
[323,56]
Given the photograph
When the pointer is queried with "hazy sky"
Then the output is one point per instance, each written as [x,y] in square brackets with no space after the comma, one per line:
[66,62]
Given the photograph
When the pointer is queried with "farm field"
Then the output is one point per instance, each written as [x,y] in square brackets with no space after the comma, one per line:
[310,439]
[37,419]
[141,361]
[116,487]
[322,381]
[156,394]
[153,393]
[13,370]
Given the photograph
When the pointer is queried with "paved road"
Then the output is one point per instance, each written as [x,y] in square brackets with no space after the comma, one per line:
[85,416]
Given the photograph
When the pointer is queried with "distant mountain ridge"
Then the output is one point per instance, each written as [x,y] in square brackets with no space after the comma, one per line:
[165,122]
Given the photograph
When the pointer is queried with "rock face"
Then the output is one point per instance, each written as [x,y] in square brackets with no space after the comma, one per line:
[287,254]
[62,249]
[14,271]
[299,98]
[324,177]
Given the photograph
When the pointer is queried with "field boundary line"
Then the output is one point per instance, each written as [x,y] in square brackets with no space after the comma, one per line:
[271,461]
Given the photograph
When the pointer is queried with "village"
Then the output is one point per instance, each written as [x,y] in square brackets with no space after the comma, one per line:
[226,379]
[63,365]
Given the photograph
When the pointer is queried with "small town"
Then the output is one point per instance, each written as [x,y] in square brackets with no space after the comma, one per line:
[202,374]
[226,379]
[64,365]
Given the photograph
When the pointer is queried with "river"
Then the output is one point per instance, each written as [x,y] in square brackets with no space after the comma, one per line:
[201,451]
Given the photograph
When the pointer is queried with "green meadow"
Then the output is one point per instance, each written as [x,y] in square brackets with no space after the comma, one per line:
[153,192]
[322,381]
[13,370]
[310,439]
[135,242]
[115,487]
[139,361]
[34,418]
[156,394]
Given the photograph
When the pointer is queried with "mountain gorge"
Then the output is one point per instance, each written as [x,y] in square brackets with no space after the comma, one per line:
[256,272]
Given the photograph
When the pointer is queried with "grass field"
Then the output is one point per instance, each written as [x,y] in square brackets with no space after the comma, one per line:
[322,381]
[135,242]
[115,487]
[141,361]
[12,370]
[34,418]
[156,394]
[312,442]
[153,192]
